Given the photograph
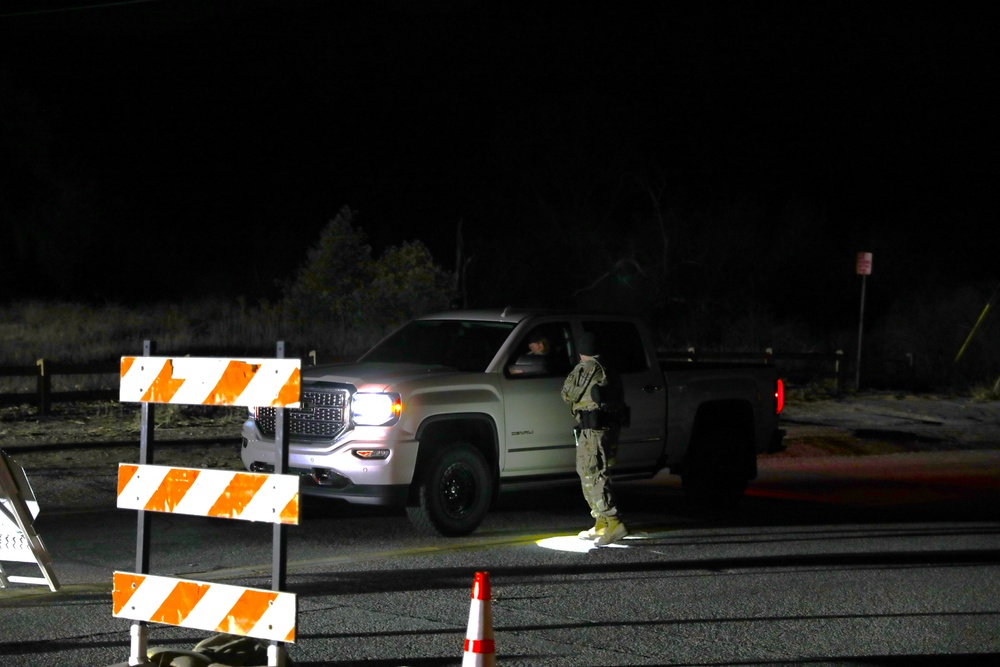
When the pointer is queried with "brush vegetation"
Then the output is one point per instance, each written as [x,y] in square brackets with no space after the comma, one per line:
[344,298]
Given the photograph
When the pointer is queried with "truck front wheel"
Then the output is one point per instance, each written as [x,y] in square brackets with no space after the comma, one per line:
[453,493]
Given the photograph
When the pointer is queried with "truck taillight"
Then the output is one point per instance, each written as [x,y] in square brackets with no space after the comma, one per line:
[779,397]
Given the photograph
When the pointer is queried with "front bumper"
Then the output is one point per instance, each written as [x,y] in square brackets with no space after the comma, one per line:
[332,470]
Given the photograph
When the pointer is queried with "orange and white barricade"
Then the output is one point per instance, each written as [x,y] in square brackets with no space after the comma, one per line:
[224,494]
[274,498]
[235,610]
[208,381]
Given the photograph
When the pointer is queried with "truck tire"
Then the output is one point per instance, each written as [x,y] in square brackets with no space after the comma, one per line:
[720,462]
[453,493]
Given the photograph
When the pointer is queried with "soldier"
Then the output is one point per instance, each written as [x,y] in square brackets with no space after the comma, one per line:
[596,439]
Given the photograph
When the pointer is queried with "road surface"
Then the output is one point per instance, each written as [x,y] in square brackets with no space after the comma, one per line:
[883,560]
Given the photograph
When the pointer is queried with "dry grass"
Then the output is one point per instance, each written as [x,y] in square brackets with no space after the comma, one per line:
[64,332]
[78,333]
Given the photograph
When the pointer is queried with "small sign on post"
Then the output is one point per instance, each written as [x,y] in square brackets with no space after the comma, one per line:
[864,264]
[863,267]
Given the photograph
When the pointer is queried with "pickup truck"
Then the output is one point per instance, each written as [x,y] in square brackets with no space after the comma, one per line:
[448,409]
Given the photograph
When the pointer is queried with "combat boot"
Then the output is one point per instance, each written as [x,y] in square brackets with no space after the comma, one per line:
[600,524]
[614,531]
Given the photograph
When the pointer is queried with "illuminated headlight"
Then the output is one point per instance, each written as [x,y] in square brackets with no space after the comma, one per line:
[375,409]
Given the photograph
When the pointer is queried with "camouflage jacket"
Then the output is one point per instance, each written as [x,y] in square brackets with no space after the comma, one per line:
[576,388]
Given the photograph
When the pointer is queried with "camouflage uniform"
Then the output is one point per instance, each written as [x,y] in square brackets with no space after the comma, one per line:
[595,447]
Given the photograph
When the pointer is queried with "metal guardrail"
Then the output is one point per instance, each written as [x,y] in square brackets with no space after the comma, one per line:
[44,370]
[797,368]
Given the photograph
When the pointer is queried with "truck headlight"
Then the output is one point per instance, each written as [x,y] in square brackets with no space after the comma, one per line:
[375,409]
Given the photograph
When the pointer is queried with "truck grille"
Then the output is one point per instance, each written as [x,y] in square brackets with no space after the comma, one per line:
[323,415]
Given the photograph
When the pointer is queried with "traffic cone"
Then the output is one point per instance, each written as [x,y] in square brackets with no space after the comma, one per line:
[479,649]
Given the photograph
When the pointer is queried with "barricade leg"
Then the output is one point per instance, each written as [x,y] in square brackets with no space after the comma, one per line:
[276,655]
[140,642]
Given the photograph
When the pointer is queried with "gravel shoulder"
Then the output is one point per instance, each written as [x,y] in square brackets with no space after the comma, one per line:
[870,424]
[82,437]
[72,456]
[91,434]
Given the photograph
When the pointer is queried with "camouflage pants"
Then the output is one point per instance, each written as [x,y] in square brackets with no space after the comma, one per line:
[591,465]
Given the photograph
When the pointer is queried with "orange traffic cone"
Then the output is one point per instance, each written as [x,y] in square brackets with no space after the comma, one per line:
[479,649]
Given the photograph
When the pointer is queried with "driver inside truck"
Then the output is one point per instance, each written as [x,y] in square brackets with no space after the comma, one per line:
[535,361]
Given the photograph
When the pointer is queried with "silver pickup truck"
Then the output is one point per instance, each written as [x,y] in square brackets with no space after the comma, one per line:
[441,414]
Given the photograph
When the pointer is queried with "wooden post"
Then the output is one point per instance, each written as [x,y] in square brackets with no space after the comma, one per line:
[44,388]
[838,369]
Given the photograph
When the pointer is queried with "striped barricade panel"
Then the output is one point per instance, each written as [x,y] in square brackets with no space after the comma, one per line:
[209,381]
[235,610]
[15,547]
[18,540]
[224,494]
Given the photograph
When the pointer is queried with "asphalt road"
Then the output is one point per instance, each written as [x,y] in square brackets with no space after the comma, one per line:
[871,560]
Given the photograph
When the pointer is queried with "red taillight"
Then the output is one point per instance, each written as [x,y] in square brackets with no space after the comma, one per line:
[779,397]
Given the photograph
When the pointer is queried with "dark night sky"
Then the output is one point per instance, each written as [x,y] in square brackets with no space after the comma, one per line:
[225,134]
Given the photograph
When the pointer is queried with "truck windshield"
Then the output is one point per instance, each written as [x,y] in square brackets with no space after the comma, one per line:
[462,345]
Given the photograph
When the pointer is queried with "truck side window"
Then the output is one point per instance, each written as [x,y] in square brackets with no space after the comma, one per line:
[621,345]
[543,352]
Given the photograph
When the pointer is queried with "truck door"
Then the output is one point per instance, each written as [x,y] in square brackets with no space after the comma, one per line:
[539,424]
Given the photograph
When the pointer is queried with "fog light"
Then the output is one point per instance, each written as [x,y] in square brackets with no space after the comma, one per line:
[325,477]
[370,454]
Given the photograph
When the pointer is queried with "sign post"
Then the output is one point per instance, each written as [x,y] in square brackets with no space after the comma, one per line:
[863,269]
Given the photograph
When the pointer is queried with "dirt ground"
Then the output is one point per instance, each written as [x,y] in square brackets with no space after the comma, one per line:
[192,436]
[72,455]
[208,437]
[885,423]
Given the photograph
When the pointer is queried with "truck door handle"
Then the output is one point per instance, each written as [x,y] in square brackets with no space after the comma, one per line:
[650,388]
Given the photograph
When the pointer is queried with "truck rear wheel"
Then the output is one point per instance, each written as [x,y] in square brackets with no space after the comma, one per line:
[721,460]
[716,492]
[453,493]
